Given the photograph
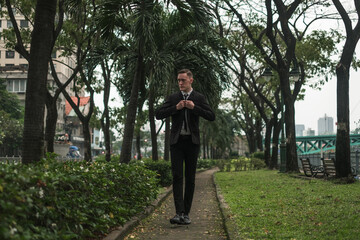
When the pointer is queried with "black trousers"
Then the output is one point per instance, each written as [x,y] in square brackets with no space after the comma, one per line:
[184,151]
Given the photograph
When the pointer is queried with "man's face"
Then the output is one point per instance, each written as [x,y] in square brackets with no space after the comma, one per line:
[184,82]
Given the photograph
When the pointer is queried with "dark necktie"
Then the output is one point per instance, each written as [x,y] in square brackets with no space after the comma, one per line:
[185,119]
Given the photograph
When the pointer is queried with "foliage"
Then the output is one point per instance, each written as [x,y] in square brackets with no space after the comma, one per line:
[268,205]
[206,163]
[70,200]
[9,102]
[241,164]
[258,155]
[161,167]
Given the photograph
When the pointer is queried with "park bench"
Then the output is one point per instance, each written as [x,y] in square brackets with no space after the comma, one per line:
[311,170]
[329,167]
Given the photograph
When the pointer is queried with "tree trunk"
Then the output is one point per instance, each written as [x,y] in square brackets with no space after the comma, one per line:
[40,51]
[125,156]
[291,151]
[87,140]
[250,136]
[259,140]
[269,128]
[51,119]
[152,125]
[105,118]
[138,146]
[204,145]
[343,163]
[275,145]
[167,140]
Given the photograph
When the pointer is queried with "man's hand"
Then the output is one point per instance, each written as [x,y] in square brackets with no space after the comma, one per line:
[180,105]
[189,104]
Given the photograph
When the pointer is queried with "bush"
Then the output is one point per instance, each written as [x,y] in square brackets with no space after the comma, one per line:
[259,155]
[257,163]
[221,165]
[206,163]
[71,200]
[161,167]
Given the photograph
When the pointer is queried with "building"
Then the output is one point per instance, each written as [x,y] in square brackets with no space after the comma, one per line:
[299,130]
[326,125]
[309,132]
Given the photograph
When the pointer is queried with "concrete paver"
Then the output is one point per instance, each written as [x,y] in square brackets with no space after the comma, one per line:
[205,215]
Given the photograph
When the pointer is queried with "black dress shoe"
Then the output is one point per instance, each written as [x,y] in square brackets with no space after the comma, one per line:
[177,219]
[186,219]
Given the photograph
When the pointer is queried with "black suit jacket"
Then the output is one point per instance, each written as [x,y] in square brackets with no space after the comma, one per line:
[201,109]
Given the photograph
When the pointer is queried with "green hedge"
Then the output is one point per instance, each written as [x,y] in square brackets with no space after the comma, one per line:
[241,164]
[206,163]
[162,168]
[71,200]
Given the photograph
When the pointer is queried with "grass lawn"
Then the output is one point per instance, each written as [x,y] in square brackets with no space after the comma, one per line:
[269,205]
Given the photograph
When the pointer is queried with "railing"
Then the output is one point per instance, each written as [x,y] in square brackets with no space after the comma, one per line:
[315,158]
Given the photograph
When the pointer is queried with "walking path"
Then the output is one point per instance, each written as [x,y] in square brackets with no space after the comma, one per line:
[205,215]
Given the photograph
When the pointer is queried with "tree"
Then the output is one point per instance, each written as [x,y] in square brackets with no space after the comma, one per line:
[278,44]
[343,163]
[143,24]
[42,42]
[11,122]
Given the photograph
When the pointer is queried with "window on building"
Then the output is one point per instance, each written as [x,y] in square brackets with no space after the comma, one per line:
[10,54]
[0,23]
[24,23]
[9,24]
[26,66]
[9,65]
[16,85]
[53,54]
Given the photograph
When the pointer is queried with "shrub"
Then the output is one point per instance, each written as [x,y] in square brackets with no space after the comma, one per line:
[257,163]
[68,200]
[259,155]
[221,165]
[161,167]
[206,163]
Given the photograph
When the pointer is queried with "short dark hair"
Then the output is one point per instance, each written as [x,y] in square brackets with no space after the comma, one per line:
[187,71]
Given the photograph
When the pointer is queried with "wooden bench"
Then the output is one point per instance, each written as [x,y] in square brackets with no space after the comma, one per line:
[311,170]
[329,167]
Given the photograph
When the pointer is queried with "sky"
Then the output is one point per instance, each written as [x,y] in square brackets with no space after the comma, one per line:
[318,103]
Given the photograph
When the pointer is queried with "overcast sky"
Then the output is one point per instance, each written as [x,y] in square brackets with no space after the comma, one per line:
[318,103]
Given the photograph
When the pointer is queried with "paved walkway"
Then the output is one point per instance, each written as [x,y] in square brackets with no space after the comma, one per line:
[205,216]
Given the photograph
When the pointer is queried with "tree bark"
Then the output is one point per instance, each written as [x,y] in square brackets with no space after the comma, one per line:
[125,156]
[152,125]
[342,163]
[275,145]
[291,151]
[269,128]
[40,51]
[105,118]
[51,120]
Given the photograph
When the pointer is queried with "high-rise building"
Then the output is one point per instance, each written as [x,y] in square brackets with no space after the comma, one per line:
[299,130]
[309,132]
[326,125]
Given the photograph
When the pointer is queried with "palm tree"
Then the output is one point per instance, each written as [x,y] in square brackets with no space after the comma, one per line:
[143,19]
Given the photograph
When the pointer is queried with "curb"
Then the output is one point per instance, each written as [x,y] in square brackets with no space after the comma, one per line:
[229,226]
[120,232]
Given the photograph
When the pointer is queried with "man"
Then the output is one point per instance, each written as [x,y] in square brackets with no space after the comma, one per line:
[185,108]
